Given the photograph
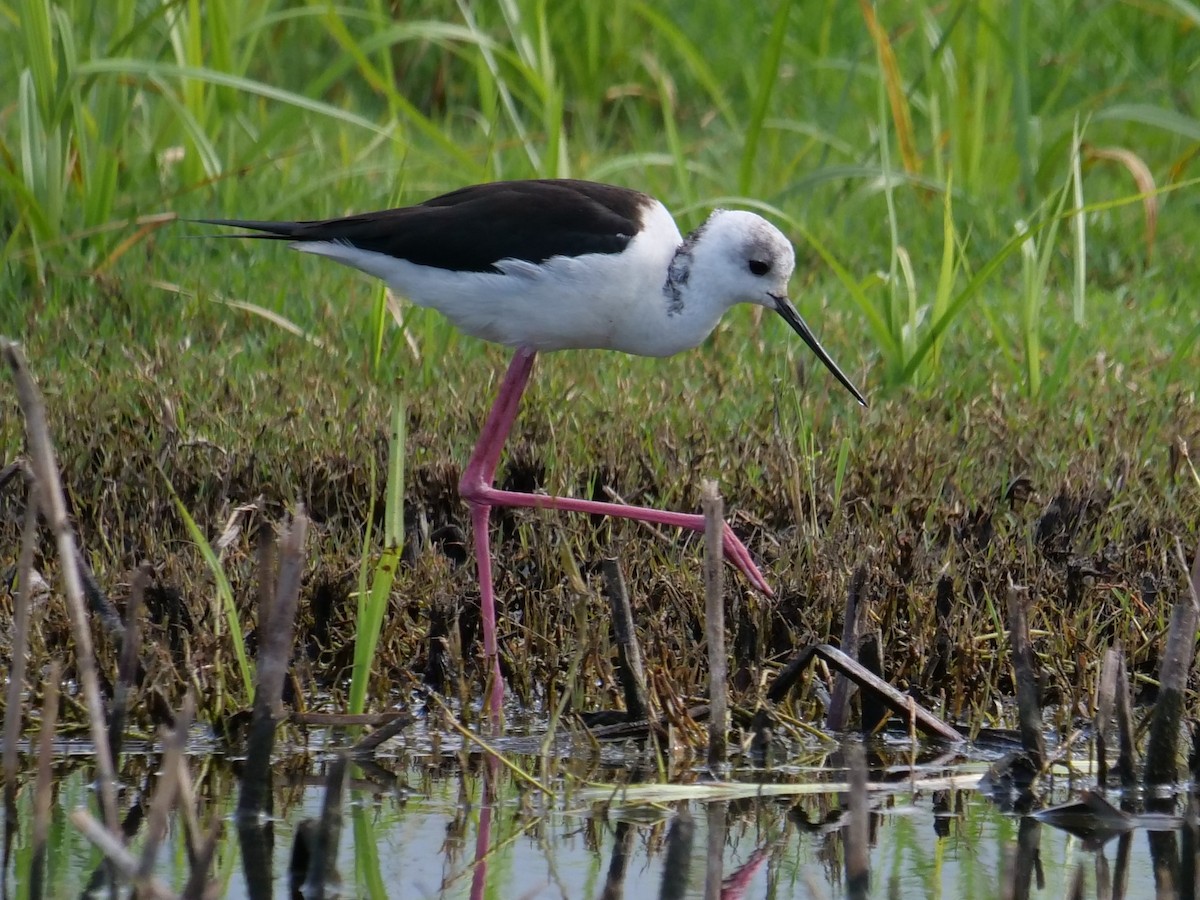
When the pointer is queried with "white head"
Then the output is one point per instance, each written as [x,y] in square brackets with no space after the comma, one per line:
[740,257]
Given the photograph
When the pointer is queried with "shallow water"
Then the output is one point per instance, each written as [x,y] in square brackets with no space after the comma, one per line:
[460,825]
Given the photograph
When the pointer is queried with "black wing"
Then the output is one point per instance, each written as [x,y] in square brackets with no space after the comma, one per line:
[470,229]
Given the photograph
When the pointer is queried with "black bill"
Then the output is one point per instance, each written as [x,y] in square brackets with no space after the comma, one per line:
[784,307]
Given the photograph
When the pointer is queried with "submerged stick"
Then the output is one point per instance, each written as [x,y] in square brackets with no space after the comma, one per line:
[1189,840]
[1029,710]
[630,671]
[1162,746]
[197,886]
[618,862]
[714,625]
[1027,866]
[187,810]
[54,506]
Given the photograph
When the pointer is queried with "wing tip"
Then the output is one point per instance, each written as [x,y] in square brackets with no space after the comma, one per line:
[259,229]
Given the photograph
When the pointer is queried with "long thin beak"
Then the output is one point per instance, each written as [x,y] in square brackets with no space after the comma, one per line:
[784,307]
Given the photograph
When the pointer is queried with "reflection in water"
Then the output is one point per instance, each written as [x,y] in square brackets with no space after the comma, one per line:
[414,819]
[678,863]
[483,838]
[618,865]
[714,864]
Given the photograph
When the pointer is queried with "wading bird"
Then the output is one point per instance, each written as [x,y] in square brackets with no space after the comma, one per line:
[561,265]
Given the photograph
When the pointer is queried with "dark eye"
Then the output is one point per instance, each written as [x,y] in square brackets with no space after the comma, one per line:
[759,267]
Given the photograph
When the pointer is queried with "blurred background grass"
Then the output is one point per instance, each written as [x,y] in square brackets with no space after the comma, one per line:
[904,146]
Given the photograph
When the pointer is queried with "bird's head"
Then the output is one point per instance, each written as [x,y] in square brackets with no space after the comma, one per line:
[743,258]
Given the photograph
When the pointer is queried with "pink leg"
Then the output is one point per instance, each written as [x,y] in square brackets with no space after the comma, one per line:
[481,469]
[480,513]
[735,551]
[475,487]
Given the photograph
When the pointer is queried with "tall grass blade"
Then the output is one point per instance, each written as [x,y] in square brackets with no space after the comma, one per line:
[1078,226]
[150,68]
[1019,66]
[882,335]
[889,68]
[225,611]
[1147,190]
[1167,120]
[394,509]
[768,76]
[498,81]
[373,601]
[1189,11]
[39,56]
[368,873]
[1031,289]
[695,60]
[948,268]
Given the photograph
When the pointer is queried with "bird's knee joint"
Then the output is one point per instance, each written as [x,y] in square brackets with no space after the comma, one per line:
[472,490]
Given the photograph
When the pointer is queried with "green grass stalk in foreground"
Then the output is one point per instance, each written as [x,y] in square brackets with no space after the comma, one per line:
[373,601]
[225,609]
[368,879]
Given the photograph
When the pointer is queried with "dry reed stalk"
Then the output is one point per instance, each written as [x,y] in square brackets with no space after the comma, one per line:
[852,625]
[54,507]
[22,601]
[1029,711]
[1176,661]
[274,655]
[714,624]
[630,670]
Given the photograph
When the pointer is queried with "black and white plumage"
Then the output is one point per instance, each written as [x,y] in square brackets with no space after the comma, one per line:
[552,265]
[562,264]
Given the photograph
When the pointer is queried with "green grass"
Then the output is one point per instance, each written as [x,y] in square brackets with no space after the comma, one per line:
[965,184]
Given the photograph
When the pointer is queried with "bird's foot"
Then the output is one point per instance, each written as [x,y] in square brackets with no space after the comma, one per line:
[737,555]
